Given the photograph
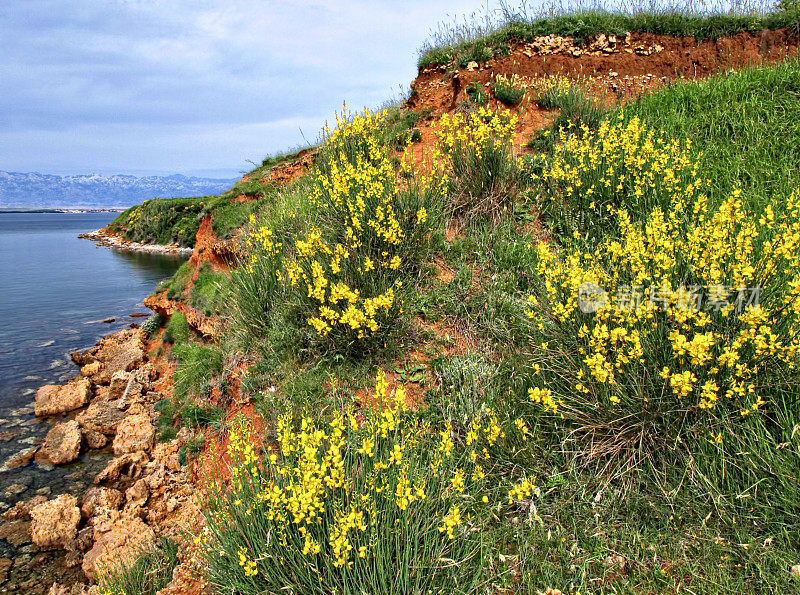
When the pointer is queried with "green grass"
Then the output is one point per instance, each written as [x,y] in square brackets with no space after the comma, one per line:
[210,291]
[150,572]
[746,124]
[481,36]
[177,329]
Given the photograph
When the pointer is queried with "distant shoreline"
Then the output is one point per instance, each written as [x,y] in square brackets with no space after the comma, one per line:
[63,210]
[103,238]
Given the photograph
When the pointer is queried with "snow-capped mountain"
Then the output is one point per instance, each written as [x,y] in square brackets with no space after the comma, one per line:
[37,190]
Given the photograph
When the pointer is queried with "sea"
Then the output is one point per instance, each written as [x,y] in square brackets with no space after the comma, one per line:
[58,294]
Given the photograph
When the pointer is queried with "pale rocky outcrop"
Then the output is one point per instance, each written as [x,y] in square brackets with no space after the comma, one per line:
[53,399]
[96,499]
[63,442]
[94,439]
[101,416]
[55,523]
[118,384]
[118,545]
[135,433]
[91,369]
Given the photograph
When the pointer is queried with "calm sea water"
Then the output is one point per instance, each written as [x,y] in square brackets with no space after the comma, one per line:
[55,291]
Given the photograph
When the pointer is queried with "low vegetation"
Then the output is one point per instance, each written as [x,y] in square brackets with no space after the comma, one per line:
[480,39]
[150,572]
[486,372]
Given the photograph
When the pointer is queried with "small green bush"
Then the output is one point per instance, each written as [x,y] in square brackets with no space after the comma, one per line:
[508,90]
[152,324]
[476,93]
[177,329]
[150,572]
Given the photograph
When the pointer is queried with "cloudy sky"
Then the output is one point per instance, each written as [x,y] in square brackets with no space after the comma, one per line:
[194,87]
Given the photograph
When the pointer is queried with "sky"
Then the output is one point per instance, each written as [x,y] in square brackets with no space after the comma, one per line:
[195,87]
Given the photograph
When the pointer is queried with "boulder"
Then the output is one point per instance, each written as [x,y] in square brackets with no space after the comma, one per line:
[95,439]
[137,494]
[95,499]
[55,523]
[119,381]
[134,433]
[22,509]
[130,464]
[53,399]
[121,352]
[119,546]
[91,369]
[101,416]
[63,442]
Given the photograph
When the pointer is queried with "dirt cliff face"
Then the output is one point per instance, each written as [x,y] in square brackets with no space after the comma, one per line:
[616,66]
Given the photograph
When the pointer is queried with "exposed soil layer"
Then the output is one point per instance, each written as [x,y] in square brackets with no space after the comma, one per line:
[646,59]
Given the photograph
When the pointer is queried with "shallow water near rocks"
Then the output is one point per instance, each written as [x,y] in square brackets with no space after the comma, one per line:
[55,292]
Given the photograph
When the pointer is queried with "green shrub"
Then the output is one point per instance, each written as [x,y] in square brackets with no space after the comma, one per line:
[177,329]
[508,90]
[152,324]
[197,365]
[481,171]
[646,339]
[476,94]
[390,506]
[150,572]
[334,278]
[165,423]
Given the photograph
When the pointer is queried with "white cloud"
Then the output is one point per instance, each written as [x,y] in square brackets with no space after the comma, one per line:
[194,84]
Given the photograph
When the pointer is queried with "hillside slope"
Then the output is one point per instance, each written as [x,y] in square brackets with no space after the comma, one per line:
[457,332]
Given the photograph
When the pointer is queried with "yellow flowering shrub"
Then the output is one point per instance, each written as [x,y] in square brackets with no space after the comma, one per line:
[621,164]
[342,272]
[683,323]
[341,504]
[475,152]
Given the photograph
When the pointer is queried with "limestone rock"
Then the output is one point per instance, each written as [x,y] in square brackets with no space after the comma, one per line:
[129,464]
[134,433]
[91,369]
[118,546]
[137,494]
[63,442]
[101,416]
[55,523]
[53,399]
[22,509]
[96,498]
[120,352]
[119,381]
[95,439]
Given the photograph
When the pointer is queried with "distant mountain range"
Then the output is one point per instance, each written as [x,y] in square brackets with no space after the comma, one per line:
[35,190]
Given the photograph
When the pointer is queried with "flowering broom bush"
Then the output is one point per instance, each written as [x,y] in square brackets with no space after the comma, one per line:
[340,270]
[621,164]
[475,152]
[387,504]
[682,327]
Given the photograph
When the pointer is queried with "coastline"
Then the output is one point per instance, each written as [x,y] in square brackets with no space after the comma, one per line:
[141,491]
[102,238]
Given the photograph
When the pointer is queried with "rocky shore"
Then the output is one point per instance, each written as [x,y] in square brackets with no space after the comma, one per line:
[102,238]
[144,492]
